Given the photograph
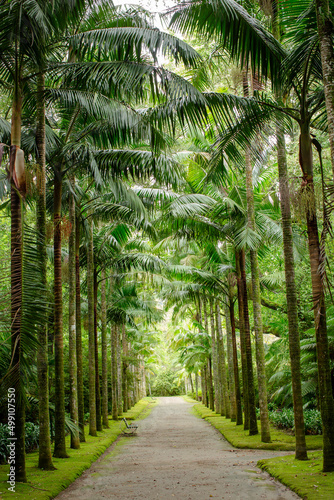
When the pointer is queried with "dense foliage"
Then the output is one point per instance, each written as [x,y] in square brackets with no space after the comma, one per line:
[166,216]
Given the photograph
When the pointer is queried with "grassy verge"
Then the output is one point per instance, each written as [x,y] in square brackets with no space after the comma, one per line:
[305,478]
[43,485]
[240,439]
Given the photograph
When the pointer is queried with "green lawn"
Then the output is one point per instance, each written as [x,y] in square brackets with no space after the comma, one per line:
[239,438]
[305,478]
[43,485]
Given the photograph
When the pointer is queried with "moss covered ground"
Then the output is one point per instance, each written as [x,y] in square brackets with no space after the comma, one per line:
[304,477]
[281,441]
[43,485]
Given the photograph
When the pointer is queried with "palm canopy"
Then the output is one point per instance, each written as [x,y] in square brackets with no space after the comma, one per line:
[233,28]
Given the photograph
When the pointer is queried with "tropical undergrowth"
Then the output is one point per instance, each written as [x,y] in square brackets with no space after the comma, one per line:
[284,419]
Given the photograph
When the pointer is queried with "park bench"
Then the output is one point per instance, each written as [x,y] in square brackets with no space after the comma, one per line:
[130,429]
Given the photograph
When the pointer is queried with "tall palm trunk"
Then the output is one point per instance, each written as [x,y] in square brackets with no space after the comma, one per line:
[81,409]
[204,379]
[125,371]
[104,345]
[250,377]
[210,383]
[319,308]
[91,333]
[204,367]
[196,385]
[326,32]
[97,371]
[291,297]
[235,365]
[215,360]
[242,342]
[60,448]
[16,288]
[75,440]
[119,373]
[210,402]
[256,298]
[44,449]
[222,368]
[114,372]
[229,343]
[289,268]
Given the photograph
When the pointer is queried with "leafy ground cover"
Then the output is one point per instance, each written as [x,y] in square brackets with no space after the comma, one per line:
[284,419]
[45,485]
[305,478]
[281,441]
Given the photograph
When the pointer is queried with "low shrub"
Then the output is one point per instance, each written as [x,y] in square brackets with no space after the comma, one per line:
[313,423]
[284,419]
[192,395]
[31,439]
[32,436]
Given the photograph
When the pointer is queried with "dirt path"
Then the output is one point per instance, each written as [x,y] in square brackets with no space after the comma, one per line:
[177,456]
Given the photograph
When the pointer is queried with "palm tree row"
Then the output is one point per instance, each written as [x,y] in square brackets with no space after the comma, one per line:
[94,121]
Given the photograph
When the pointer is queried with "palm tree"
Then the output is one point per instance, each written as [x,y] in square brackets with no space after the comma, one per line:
[325,32]
[291,292]
[302,71]
[104,347]
[256,294]
[26,24]
[301,75]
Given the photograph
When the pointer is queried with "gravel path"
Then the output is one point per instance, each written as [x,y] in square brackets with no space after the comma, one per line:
[176,456]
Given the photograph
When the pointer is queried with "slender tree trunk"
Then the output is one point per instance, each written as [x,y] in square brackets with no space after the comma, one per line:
[211,396]
[114,372]
[16,289]
[44,449]
[204,378]
[196,385]
[81,409]
[319,308]
[291,297]
[75,440]
[97,371]
[289,267]
[220,407]
[60,448]
[104,343]
[215,352]
[326,32]
[256,297]
[230,364]
[250,377]
[210,402]
[119,373]
[204,368]
[226,398]
[125,371]
[191,383]
[235,365]
[242,342]
[91,333]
